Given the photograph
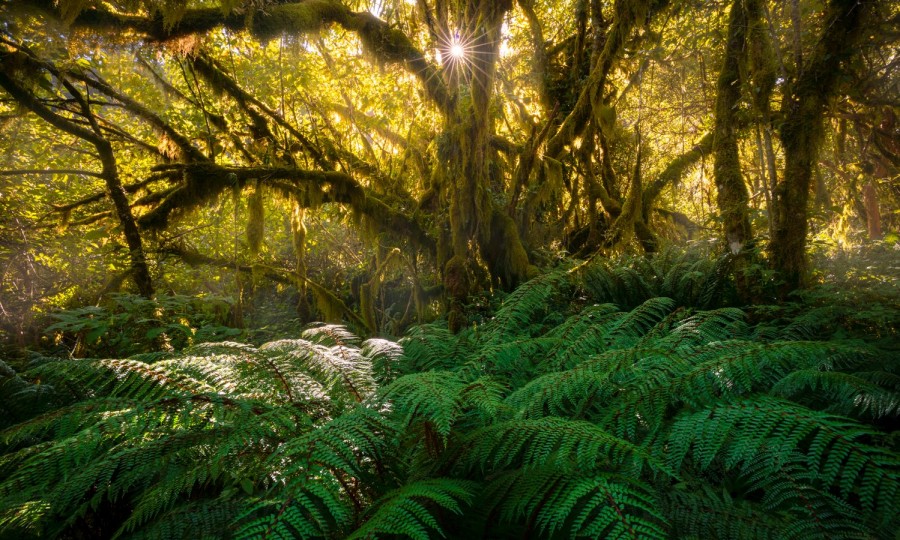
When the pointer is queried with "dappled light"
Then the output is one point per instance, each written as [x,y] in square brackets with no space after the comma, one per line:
[449,269]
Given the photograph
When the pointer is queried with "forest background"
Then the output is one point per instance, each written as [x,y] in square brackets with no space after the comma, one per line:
[380,166]
[704,181]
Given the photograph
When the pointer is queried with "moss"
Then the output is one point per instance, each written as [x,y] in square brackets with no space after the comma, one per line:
[256,219]
[732,195]
[505,255]
[305,17]
[801,134]
[457,284]
[623,228]
[201,183]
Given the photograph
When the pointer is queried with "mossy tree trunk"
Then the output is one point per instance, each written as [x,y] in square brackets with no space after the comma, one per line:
[485,242]
[732,196]
[804,107]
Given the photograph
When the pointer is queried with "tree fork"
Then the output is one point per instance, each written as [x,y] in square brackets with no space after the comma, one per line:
[801,133]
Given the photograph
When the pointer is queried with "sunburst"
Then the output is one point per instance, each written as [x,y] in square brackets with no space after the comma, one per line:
[460,53]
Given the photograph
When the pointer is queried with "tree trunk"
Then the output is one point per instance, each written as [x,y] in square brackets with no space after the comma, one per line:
[873,215]
[481,235]
[139,270]
[733,198]
[804,108]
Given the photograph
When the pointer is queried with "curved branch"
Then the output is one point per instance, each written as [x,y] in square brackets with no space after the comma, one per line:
[207,180]
[385,43]
[18,172]
[676,169]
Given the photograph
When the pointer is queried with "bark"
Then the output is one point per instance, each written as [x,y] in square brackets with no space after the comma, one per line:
[873,214]
[801,134]
[732,195]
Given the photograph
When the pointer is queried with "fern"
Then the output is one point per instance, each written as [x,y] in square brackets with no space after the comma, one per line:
[152,436]
[408,511]
[606,400]
[842,393]
[557,499]
[776,431]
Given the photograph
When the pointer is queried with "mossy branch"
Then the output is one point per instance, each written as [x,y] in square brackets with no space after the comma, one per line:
[383,42]
[204,181]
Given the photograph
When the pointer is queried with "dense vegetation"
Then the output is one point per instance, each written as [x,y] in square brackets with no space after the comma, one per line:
[560,416]
[449,268]
[380,162]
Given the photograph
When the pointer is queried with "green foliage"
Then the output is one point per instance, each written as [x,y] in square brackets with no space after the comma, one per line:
[128,324]
[561,416]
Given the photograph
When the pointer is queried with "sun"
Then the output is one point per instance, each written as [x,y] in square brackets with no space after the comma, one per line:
[457,51]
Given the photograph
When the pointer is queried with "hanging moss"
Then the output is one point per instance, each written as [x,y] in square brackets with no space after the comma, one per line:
[298,240]
[369,291]
[623,228]
[201,182]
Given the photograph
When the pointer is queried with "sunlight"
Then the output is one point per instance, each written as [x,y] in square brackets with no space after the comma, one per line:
[457,51]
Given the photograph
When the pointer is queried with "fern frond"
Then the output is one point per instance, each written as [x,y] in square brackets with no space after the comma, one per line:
[409,510]
[843,393]
[385,356]
[547,441]
[565,393]
[764,427]
[345,445]
[728,369]
[304,515]
[440,398]
[527,305]
[331,335]
[557,499]
[338,366]
[600,328]
[700,511]
[202,520]
[434,347]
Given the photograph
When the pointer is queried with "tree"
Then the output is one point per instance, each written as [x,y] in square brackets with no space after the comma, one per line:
[804,105]
[471,136]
